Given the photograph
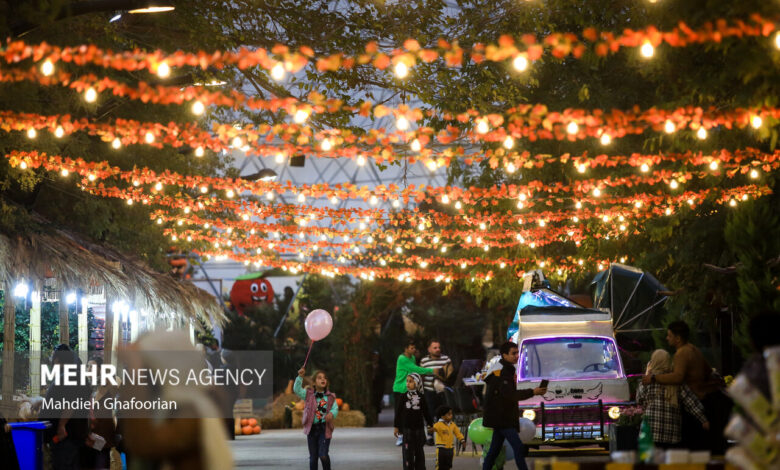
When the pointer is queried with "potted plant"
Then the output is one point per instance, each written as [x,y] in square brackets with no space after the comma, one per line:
[624,433]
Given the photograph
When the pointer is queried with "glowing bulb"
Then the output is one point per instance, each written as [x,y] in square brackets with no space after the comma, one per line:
[204,189]
[520,63]
[402,123]
[90,177]
[237,142]
[638,204]
[198,108]
[777,40]
[373,200]
[230,193]
[361,160]
[510,167]
[431,165]
[509,142]
[644,168]
[445,199]
[300,116]
[572,128]
[47,68]
[542,223]
[754,173]
[326,145]
[90,96]
[701,133]
[334,200]
[578,205]
[199,152]
[606,139]
[668,211]
[458,205]
[732,203]
[59,132]
[596,192]
[756,122]
[301,198]
[129,202]
[673,184]
[581,167]
[116,143]
[714,165]
[416,147]
[163,70]
[277,72]
[482,127]
[64,172]
[647,49]
[669,126]
[149,137]
[32,133]
[401,70]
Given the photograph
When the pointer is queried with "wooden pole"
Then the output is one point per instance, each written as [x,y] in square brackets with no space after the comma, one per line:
[83,329]
[110,333]
[35,341]
[64,323]
[9,333]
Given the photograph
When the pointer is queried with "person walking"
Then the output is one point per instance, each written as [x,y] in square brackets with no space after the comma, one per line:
[411,414]
[662,404]
[435,359]
[501,410]
[319,412]
[405,365]
[446,432]
[692,369]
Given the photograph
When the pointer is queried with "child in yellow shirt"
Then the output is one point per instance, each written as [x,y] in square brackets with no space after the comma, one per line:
[446,431]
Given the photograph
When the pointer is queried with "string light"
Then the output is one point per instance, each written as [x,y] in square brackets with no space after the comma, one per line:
[756,122]
[90,96]
[520,63]
[277,72]
[509,142]
[445,199]
[572,128]
[149,137]
[482,126]
[606,139]
[116,143]
[199,152]
[754,173]
[32,133]
[64,172]
[326,145]
[237,142]
[673,184]
[402,123]
[581,167]
[59,132]
[714,165]
[644,168]
[300,116]
[777,40]
[647,50]
[669,126]
[361,160]
[163,70]
[458,205]
[732,203]
[416,147]
[47,68]
[198,108]
[701,133]
[596,192]
[401,70]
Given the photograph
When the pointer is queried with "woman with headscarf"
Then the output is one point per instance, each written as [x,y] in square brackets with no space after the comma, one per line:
[661,403]
[411,414]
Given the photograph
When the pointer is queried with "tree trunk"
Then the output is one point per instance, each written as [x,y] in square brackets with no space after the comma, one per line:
[64,324]
[35,341]
[109,333]
[83,329]
[9,330]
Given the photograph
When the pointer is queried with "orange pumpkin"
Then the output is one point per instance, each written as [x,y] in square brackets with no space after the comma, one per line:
[244,422]
[246,430]
[345,407]
[256,430]
[252,422]
[299,405]
[339,402]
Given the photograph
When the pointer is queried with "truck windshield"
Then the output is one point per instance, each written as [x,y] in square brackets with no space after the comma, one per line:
[569,358]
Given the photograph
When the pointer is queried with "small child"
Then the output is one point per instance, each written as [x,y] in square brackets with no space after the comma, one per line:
[410,411]
[317,420]
[446,432]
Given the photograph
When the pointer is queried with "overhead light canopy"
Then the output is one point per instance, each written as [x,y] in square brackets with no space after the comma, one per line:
[153,9]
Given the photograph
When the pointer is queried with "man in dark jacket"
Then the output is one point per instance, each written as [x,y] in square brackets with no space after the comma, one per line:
[501,410]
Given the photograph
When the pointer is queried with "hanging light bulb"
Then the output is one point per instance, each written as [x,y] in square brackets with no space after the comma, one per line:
[402,123]
[754,173]
[90,96]
[669,126]
[510,168]
[300,116]
[59,132]
[301,198]
[701,133]
[237,142]
[129,202]
[116,143]
[277,72]
[279,157]
[605,139]
[777,40]
[158,186]
[163,70]
[647,50]
[714,165]
[431,164]
[199,152]
[401,70]
[596,192]
[90,177]
[520,63]
[673,184]
[47,68]
[638,204]
[361,160]
[458,205]
[326,145]
[644,168]
[64,172]
[756,122]
[149,137]
[572,128]
[509,142]
[334,200]
[416,147]
[445,199]
[32,133]
[229,193]
[581,167]
[482,126]
[198,108]
[204,189]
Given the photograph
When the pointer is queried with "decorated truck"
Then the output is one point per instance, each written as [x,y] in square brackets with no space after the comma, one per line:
[574,348]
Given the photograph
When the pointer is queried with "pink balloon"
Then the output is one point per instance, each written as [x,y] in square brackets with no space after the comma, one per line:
[318,324]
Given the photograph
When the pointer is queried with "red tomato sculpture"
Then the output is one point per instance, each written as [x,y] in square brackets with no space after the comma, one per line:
[250,290]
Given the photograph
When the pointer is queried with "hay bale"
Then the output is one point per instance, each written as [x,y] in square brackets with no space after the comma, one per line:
[344,419]
[273,414]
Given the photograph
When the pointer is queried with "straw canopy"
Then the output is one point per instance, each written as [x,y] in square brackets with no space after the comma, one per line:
[74,262]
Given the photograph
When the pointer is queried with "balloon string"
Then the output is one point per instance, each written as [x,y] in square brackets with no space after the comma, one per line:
[307,354]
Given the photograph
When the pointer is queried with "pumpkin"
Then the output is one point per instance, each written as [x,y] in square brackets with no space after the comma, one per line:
[299,405]
[244,422]
[246,430]
[256,430]
[339,402]
[252,422]
[345,407]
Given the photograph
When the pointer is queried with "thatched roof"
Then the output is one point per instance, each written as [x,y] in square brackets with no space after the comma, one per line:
[78,263]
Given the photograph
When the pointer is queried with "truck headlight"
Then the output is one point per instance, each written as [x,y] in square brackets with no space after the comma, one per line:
[529,414]
[614,412]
